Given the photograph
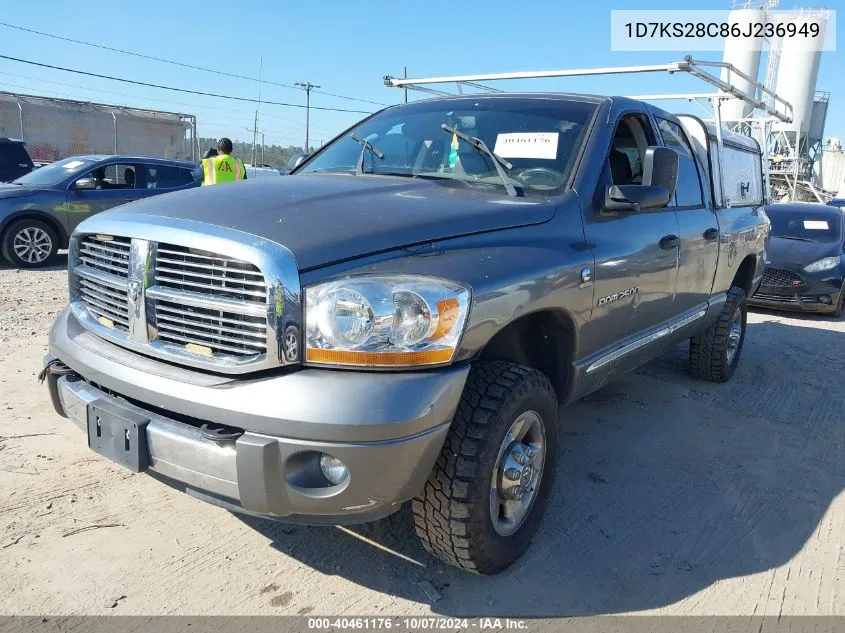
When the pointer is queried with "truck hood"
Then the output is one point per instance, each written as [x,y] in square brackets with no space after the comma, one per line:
[8,190]
[784,252]
[324,219]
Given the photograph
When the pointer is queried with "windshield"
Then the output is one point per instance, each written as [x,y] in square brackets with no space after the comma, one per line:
[799,224]
[54,173]
[539,138]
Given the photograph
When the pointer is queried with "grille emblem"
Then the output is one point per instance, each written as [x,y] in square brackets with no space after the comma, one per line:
[134,291]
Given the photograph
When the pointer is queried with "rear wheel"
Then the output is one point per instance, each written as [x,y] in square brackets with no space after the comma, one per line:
[30,243]
[488,491]
[714,354]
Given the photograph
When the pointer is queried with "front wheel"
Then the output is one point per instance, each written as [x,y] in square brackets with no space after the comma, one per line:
[488,491]
[30,243]
[714,354]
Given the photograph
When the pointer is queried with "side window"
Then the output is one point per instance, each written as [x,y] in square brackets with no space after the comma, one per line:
[688,190]
[627,151]
[166,177]
[113,177]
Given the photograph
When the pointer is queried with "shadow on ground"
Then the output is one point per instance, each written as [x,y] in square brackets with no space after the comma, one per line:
[697,482]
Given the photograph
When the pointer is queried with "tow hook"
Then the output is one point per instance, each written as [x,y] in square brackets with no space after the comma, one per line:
[220,433]
[52,371]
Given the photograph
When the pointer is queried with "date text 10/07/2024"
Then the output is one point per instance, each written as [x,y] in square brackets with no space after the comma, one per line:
[421,623]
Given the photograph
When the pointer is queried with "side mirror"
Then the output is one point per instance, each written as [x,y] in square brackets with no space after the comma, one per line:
[635,197]
[660,168]
[85,183]
[296,160]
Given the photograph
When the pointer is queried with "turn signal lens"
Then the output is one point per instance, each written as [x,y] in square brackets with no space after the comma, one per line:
[384,321]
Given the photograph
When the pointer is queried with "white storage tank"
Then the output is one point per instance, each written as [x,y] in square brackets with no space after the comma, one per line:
[798,72]
[744,55]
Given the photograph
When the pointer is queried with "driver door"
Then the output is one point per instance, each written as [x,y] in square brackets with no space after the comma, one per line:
[91,194]
[635,273]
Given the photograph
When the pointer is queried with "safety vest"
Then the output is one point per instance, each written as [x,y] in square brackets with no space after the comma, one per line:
[222,168]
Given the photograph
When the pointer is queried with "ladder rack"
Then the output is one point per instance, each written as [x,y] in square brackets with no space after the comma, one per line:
[776,106]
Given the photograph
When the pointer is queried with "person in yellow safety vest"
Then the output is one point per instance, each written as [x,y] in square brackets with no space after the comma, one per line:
[224,167]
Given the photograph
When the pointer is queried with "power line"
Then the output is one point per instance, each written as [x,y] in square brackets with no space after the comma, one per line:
[175,63]
[195,107]
[171,88]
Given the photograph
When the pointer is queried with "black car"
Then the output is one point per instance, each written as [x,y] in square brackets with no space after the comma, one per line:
[14,159]
[805,267]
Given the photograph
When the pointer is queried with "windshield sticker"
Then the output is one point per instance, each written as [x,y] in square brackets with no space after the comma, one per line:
[73,164]
[816,225]
[527,145]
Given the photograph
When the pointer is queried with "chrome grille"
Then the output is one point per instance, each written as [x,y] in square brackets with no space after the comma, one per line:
[193,270]
[101,279]
[105,302]
[193,306]
[219,330]
[110,255]
[780,277]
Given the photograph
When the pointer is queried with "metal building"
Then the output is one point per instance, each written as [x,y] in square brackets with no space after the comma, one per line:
[57,128]
[743,54]
[792,73]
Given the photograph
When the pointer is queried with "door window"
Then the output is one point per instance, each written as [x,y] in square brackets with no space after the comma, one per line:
[627,151]
[121,176]
[167,177]
[688,189]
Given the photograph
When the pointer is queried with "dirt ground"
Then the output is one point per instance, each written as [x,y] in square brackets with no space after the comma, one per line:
[672,496]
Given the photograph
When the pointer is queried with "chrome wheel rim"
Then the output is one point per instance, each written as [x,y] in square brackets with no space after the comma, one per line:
[517,473]
[32,245]
[734,335]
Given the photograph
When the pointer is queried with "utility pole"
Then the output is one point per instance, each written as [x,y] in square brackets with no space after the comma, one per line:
[307,86]
[255,131]
[255,124]
[405,89]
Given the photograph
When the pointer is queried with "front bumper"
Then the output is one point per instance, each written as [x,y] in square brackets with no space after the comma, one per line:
[388,428]
[803,298]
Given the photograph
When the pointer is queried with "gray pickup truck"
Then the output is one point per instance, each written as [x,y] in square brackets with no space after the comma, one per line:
[401,318]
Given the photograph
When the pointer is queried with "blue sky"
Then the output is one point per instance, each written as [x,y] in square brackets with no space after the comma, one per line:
[345,47]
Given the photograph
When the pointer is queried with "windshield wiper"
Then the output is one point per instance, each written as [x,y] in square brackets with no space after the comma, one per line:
[789,237]
[498,161]
[359,167]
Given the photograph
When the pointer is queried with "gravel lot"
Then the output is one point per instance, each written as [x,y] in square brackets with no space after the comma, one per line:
[672,496]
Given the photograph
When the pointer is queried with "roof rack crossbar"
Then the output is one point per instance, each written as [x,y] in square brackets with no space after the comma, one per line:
[780,109]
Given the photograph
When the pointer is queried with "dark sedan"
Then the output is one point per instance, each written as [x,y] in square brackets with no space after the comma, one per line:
[39,210]
[805,267]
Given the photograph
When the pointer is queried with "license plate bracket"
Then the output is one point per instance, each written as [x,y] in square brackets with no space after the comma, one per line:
[119,434]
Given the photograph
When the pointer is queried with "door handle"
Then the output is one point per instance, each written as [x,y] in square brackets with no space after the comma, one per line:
[711,234]
[668,242]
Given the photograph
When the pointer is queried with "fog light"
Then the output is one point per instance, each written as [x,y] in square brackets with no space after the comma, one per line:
[334,469]
[825,299]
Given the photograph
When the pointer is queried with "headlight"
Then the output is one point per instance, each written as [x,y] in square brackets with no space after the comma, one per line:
[391,321]
[825,263]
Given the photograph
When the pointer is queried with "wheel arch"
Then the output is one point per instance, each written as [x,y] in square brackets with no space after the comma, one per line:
[744,277]
[544,340]
[34,214]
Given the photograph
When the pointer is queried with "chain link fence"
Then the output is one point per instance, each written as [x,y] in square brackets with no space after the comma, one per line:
[58,128]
